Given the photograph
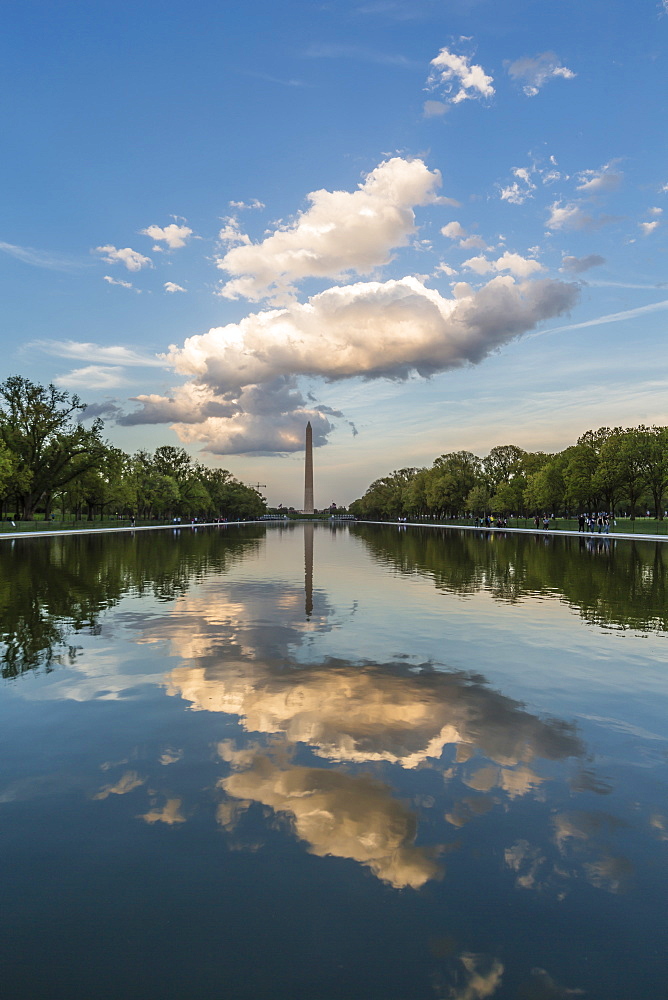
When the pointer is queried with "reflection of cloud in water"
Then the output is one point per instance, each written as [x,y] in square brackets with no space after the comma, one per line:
[524,859]
[340,815]
[515,781]
[379,713]
[469,808]
[544,987]
[483,978]
[229,813]
[581,826]
[582,840]
[610,873]
[126,783]
[259,620]
[170,813]
[660,824]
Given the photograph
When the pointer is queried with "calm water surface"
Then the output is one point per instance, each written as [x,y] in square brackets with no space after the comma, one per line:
[306,763]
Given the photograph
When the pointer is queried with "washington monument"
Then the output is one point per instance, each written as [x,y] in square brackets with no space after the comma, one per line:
[308,471]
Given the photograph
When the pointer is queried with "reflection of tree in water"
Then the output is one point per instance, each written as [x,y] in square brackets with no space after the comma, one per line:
[51,588]
[618,583]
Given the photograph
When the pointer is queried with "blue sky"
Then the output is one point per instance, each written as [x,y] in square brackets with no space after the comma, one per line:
[423,226]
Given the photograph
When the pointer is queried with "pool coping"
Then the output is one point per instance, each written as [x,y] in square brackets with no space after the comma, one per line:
[627,536]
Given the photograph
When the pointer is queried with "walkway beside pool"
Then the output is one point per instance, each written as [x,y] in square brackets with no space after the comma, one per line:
[523,531]
[126,527]
[399,524]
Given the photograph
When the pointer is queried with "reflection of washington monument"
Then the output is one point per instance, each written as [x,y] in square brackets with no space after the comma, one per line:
[308,471]
[308,568]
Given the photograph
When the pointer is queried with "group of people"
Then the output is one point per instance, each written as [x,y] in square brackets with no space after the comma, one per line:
[490,522]
[595,523]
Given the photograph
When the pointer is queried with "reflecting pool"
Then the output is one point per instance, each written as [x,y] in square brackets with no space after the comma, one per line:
[307,762]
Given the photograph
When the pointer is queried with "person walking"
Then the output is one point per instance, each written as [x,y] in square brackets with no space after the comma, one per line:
[581,522]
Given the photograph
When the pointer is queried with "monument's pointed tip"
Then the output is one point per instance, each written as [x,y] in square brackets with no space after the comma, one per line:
[308,424]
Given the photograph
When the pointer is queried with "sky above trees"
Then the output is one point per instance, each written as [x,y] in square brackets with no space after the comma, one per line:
[422,226]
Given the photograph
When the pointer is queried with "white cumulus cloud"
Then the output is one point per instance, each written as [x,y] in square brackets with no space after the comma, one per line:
[473,243]
[374,329]
[118,281]
[171,286]
[458,79]
[341,232]
[241,205]
[515,264]
[454,230]
[174,236]
[517,192]
[599,181]
[533,72]
[571,215]
[230,234]
[577,265]
[131,259]
[648,227]
[242,393]
[514,193]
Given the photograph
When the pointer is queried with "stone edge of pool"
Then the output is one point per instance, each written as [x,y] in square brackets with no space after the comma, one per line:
[399,524]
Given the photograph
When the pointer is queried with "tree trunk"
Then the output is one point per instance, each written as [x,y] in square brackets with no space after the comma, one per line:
[28,503]
[657,496]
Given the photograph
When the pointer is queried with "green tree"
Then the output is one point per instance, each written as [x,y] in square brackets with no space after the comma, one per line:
[415,493]
[478,499]
[585,481]
[502,463]
[6,467]
[654,460]
[545,489]
[109,483]
[194,498]
[170,461]
[505,500]
[623,462]
[239,501]
[451,479]
[164,494]
[385,497]
[50,449]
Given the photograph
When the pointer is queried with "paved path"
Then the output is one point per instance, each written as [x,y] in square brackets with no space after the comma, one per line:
[398,524]
[126,527]
[525,531]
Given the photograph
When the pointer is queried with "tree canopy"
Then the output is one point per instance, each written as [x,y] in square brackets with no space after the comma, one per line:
[48,458]
[618,469]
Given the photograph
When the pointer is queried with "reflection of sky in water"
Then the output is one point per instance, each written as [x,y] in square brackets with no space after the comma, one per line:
[436,791]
